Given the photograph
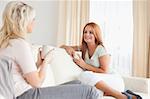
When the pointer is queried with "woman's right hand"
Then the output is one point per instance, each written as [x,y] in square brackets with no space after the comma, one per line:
[48,58]
[39,59]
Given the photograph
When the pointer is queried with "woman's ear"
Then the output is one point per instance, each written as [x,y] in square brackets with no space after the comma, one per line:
[30,27]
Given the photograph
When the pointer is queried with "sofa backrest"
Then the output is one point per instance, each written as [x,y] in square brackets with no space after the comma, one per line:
[62,66]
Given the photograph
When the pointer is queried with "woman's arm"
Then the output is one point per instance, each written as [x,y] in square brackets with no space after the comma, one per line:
[76,48]
[71,49]
[36,78]
[25,61]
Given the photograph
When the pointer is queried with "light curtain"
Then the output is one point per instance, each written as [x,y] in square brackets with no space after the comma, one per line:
[141,39]
[149,38]
[73,15]
[116,22]
[149,57]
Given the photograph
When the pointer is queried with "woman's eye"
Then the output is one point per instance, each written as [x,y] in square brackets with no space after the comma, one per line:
[85,31]
[91,32]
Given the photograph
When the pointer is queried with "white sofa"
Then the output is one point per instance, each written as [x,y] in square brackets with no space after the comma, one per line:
[63,69]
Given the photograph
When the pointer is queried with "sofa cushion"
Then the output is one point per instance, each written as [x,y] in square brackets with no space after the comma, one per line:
[63,67]
[1,97]
[49,79]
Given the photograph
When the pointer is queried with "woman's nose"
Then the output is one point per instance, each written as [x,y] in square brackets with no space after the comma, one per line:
[87,33]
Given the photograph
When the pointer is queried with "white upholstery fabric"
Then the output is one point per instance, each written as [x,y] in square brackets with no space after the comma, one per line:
[61,69]
[49,80]
[1,97]
[138,84]
[64,69]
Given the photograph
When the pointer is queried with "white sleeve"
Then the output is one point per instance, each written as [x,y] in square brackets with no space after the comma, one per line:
[24,57]
[102,51]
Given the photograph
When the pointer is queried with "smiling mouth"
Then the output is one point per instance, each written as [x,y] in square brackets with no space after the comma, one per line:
[88,38]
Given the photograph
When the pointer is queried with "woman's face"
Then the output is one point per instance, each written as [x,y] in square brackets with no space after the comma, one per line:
[88,35]
[30,26]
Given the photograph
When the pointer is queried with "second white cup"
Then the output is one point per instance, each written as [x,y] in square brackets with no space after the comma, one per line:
[45,50]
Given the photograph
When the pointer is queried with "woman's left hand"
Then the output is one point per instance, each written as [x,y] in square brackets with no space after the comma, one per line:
[80,62]
[39,58]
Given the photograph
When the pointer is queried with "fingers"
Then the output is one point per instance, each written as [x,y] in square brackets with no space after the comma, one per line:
[39,52]
[49,51]
[39,59]
[79,56]
[48,57]
[77,61]
[40,49]
[70,50]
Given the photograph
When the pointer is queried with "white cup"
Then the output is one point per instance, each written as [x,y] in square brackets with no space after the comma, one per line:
[45,50]
[77,55]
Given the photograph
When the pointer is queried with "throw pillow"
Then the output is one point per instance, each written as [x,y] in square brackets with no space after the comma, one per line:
[63,67]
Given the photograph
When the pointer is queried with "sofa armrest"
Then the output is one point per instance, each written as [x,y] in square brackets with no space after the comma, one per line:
[137,84]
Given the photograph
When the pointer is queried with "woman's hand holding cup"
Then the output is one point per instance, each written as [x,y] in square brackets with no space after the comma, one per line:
[46,53]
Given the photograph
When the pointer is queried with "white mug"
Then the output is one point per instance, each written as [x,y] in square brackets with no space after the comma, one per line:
[77,55]
[45,50]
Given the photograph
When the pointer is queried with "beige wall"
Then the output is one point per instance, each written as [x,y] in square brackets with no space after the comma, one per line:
[46,23]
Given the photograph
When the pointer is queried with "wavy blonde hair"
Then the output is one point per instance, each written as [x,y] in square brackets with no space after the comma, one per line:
[16,17]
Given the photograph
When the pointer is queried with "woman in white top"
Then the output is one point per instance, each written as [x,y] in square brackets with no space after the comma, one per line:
[18,20]
[95,61]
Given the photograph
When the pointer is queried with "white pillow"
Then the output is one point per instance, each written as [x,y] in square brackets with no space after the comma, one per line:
[64,69]
[49,79]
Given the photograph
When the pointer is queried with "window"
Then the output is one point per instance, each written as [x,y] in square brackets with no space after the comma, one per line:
[116,22]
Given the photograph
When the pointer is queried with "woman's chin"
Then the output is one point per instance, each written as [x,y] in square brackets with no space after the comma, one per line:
[29,32]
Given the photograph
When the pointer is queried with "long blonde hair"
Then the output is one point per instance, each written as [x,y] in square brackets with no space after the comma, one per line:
[16,17]
[97,35]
